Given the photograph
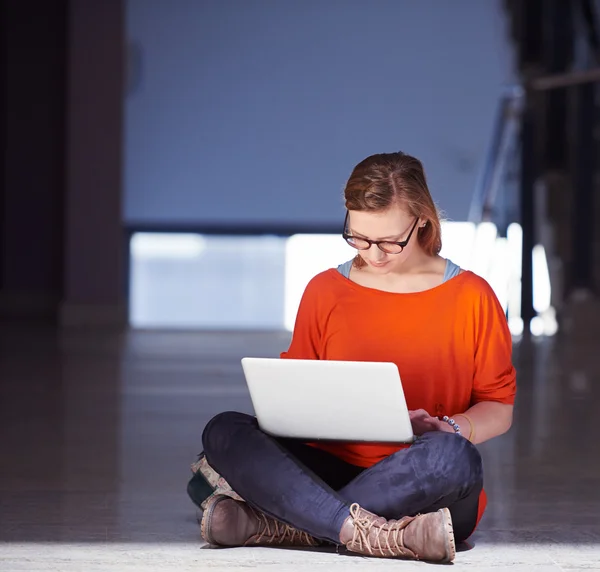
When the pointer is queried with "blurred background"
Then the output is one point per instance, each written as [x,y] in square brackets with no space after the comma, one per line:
[171,179]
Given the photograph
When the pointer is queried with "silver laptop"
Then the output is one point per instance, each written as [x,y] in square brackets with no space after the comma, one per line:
[328,400]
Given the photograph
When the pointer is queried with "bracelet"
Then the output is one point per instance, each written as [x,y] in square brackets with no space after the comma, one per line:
[471,426]
[452,424]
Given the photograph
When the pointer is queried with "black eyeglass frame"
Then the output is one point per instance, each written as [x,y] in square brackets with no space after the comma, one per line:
[402,244]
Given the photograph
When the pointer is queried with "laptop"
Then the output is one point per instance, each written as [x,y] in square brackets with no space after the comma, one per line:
[328,400]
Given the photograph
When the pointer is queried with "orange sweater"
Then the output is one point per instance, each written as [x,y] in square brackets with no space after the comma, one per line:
[451,344]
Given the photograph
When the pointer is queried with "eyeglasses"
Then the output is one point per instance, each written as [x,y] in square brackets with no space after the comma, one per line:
[384,245]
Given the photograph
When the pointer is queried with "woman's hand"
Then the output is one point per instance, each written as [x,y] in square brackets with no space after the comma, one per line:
[422,422]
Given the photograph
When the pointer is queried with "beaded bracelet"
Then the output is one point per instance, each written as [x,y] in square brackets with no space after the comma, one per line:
[452,424]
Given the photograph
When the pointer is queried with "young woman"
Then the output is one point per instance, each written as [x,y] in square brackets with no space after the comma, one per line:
[397,301]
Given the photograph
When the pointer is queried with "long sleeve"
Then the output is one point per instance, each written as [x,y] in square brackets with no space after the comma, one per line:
[306,338]
[495,375]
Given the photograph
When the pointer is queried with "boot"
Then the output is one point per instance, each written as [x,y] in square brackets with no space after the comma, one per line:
[229,522]
[423,537]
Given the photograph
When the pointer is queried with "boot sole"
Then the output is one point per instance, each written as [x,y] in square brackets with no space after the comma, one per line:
[207,517]
[449,529]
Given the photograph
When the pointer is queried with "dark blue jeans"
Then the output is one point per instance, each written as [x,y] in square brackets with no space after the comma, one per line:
[312,490]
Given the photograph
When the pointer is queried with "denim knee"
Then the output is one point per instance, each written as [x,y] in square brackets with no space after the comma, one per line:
[220,430]
[460,458]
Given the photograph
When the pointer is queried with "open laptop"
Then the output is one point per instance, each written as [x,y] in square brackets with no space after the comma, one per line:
[328,400]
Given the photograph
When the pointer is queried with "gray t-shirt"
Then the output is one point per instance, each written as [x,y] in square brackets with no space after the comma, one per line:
[451,271]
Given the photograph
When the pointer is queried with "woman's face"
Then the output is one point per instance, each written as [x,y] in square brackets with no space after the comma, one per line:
[394,225]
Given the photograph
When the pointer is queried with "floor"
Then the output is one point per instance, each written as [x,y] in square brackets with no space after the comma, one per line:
[97,432]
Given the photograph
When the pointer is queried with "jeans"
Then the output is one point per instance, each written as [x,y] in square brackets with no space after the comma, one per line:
[313,490]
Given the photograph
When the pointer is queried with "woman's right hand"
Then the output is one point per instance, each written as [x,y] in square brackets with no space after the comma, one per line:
[422,422]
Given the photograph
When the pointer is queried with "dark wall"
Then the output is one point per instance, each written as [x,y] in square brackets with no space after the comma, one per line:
[61,241]
[33,133]
[94,245]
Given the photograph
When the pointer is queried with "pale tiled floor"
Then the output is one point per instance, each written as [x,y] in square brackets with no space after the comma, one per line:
[97,433]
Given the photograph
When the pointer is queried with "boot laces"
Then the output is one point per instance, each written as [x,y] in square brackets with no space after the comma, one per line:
[271,531]
[374,538]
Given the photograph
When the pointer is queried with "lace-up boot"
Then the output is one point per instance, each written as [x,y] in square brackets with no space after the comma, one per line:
[229,522]
[423,537]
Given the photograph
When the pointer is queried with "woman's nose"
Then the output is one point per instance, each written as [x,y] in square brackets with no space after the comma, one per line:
[376,253]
